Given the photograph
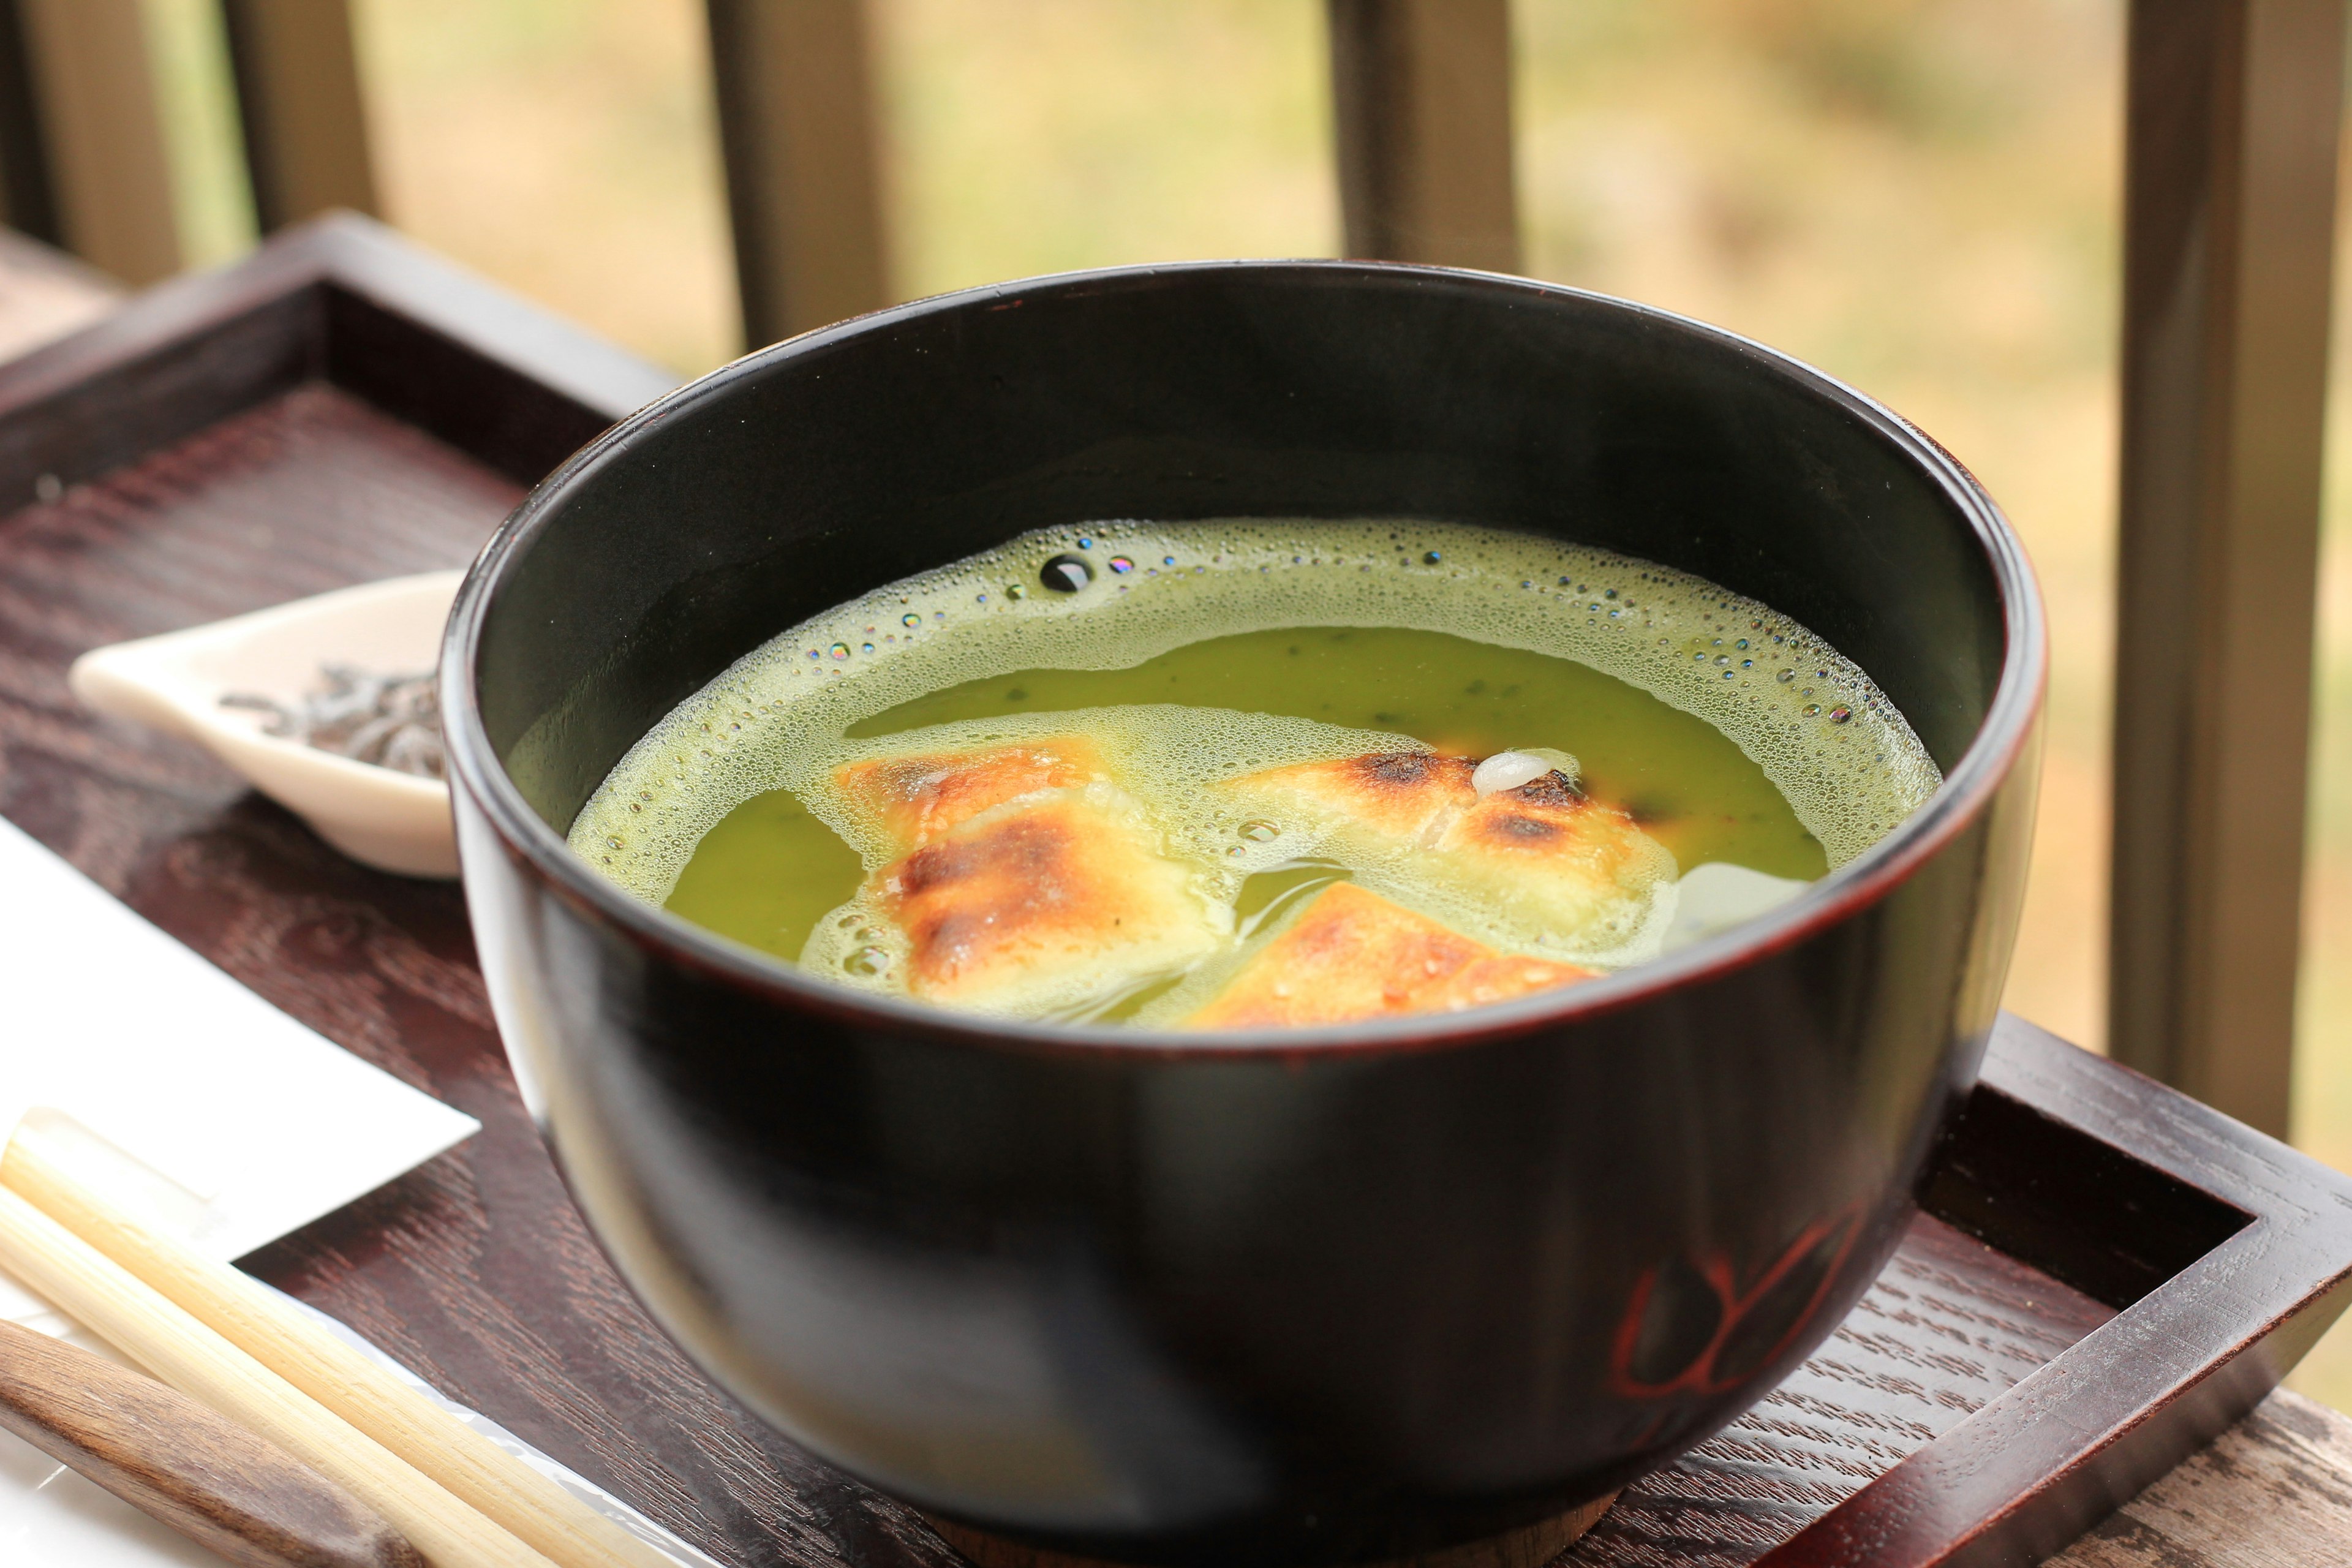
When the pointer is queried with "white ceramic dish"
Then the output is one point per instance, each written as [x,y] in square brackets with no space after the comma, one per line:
[395,821]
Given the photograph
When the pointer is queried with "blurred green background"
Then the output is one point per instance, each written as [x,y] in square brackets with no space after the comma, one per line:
[1920,195]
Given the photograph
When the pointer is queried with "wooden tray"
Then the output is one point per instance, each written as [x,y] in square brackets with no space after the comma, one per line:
[2105,1275]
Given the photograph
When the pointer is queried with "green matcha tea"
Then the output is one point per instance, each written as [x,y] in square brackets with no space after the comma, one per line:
[1116,774]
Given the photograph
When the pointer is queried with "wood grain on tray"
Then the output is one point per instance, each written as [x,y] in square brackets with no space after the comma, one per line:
[2273,1491]
[1948,1326]
[476,1269]
[328,465]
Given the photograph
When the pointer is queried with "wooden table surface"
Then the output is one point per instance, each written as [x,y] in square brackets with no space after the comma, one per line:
[2274,1491]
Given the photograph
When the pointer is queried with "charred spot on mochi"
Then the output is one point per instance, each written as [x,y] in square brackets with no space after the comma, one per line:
[1040,895]
[966,901]
[1409,772]
[1030,846]
[1514,828]
[1396,767]
[966,891]
[1555,789]
[1391,795]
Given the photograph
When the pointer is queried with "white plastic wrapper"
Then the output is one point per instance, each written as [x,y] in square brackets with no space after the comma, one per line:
[586,1490]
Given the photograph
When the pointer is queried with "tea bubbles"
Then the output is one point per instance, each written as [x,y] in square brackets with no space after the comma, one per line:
[1066,574]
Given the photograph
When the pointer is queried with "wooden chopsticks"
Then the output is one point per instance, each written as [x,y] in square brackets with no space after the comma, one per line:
[219,1336]
[185,1463]
[200,1364]
[296,1349]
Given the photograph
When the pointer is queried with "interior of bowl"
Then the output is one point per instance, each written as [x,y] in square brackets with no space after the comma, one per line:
[825,467]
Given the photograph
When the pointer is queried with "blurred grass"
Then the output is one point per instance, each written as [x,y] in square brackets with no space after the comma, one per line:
[2323,1088]
[199,107]
[1052,134]
[565,147]
[1919,196]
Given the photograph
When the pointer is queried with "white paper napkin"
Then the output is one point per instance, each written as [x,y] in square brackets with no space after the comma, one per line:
[255,1124]
[261,1123]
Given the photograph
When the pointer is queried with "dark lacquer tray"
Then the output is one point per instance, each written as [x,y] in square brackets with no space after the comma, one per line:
[2104,1275]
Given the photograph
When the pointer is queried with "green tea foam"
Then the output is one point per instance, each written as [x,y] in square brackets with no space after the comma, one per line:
[1828,739]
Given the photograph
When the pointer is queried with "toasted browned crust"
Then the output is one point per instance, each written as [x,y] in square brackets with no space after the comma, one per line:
[1353,955]
[1399,795]
[1016,903]
[1498,979]
[1547,827]
[1544,847]
[916,799]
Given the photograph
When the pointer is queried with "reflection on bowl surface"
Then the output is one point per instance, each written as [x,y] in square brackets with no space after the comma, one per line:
[1322,1295]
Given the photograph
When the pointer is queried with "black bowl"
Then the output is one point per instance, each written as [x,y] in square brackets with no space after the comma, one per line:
[1319,1296]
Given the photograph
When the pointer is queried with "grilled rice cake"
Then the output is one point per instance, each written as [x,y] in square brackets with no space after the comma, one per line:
[1388,799]
[1030,879]
[1352,954]
[1544,855]
[1051,900]
[1548,856]
[917,799]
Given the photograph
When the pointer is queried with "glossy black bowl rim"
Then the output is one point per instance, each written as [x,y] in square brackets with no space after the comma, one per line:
[1967,792]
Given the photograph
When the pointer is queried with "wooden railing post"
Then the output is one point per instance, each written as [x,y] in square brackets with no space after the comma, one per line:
[1420,93]
[796,121]
[80,136]
[2229,221]
[299,98]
